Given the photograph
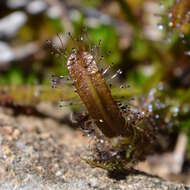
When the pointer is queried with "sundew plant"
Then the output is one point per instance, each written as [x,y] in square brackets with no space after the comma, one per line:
[125,132]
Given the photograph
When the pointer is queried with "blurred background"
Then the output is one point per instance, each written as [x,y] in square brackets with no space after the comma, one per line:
[148,40]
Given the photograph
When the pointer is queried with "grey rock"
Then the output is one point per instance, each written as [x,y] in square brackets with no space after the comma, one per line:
[42,154]
[10,24]
[36,7]
[6,53]
[17,3]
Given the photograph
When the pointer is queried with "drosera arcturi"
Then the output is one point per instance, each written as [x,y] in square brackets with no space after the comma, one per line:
[122,137]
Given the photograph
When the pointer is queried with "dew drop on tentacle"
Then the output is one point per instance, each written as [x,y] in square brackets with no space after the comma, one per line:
[157,116]
[150,108]
[110,85]
[118,72]
[53,81]
[160,27]
[187,53]
[152,94]
[61,103]
[106,70]
[160,86]
[115,75]
[75,90]
[124,85]
[175,111]
[58,81]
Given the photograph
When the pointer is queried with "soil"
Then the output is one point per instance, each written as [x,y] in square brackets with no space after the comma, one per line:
[43,154]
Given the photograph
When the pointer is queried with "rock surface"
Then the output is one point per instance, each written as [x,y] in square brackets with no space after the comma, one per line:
[42,154]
